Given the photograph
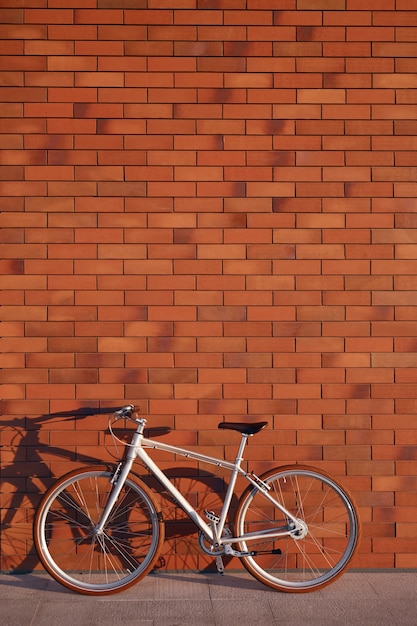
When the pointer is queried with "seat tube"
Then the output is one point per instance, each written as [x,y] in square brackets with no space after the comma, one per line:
[232,483]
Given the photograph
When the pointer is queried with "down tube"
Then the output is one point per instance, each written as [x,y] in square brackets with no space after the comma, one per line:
[184,504]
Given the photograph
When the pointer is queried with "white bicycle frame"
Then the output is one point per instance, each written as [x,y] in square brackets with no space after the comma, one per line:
[136,449]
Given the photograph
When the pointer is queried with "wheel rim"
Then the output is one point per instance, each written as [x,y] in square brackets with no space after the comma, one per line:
[75,555]
[318,555]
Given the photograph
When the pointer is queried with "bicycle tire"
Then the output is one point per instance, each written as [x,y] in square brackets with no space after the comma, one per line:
[75,555]
[304,563]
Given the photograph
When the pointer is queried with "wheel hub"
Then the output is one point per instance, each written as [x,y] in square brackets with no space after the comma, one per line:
[300,531]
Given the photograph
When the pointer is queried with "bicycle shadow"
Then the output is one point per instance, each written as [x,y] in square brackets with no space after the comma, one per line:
[30,465]
[26,474]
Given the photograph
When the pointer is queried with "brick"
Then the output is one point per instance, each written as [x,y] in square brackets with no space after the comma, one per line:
[394,49]
[355,33]
[304,344]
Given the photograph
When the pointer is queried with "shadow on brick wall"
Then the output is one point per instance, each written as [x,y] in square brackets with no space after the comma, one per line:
[28,468]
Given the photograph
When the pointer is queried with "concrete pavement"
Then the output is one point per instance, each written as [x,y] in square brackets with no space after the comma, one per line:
[235,599]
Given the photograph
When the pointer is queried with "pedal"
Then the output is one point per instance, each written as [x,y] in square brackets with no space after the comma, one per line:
[211,516]
[219,565]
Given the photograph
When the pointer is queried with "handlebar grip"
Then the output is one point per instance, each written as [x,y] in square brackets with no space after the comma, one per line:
[125,411]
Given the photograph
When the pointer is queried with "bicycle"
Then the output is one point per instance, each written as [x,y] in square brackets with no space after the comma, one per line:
[99,530]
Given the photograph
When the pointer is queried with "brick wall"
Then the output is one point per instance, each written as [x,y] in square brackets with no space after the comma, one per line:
[209,209]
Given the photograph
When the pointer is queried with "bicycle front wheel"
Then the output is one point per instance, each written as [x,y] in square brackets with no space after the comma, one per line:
[312,558]
[79,558]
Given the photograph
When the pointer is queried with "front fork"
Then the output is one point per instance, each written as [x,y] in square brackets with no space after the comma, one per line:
[119,478]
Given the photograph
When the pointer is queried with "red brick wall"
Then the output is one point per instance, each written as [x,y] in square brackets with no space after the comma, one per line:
[209,209]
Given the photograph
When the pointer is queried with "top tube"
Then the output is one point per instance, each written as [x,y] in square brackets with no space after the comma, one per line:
[211,460]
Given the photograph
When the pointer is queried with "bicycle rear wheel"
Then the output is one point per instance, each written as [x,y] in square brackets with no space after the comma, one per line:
[315,557]
[91,563]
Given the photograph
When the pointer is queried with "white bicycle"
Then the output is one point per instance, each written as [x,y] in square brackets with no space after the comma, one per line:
[99,530]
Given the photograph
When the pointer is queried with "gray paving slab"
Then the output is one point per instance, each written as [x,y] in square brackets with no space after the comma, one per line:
[191,599]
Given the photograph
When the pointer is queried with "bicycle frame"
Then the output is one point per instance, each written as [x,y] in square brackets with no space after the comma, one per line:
[214,532]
